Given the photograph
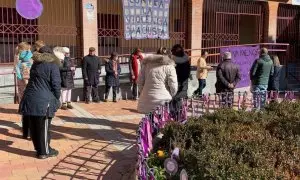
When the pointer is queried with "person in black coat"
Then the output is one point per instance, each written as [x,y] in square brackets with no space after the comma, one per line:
[41,99]
[275,78]
[91,71]
[67,72]
[228,76]
[113,70]
[183,70]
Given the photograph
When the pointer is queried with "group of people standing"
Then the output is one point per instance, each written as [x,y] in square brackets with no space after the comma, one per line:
[264,75]
[164,78]
[46,79]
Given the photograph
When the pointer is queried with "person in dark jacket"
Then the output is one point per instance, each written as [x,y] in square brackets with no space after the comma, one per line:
[135,62]
[228,76]
[41,99]
[91,71]
[260,73]
[183,70]
[67,72]
[113,70]
[275,78]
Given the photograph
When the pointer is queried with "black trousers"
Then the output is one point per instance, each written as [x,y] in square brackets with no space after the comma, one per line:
[91,89]
[107,89]
[40,134]
[134,90]
[25,126]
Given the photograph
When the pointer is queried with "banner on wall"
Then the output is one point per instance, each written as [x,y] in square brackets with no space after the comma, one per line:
[296,2]
[146,19]
[244,56]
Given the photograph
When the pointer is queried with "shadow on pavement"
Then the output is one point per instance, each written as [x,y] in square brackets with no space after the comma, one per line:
[95,160]
[8,111]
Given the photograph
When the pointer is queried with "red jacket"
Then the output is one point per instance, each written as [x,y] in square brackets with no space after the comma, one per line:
[134,66]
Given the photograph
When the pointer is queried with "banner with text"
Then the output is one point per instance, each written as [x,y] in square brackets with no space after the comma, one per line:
[296,2]
[244,56]
[146,19]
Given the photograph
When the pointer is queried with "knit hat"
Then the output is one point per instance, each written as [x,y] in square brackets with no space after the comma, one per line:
[227,55]
[59,52]
[66,50]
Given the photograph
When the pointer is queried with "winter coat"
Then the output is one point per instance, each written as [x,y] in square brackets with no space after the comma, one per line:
[91,69]
[261,70]
[41,96]
[135,66]
[111,79]
[274,80]
[157,82]
[183,71]
[227,73]
[67,75]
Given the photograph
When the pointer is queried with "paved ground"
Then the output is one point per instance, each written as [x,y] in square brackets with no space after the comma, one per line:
[95,141]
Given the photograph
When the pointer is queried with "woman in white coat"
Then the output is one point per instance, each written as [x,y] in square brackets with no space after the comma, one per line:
[157,81]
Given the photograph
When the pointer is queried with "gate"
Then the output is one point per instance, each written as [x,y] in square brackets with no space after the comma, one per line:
[58,26]
[111,28]
[232,22]
[288,22]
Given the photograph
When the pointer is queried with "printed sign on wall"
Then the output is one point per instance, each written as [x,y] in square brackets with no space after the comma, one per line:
[90,11]
[244,56]
[146,19]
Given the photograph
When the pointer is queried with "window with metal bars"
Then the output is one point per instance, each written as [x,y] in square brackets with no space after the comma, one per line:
[109,25]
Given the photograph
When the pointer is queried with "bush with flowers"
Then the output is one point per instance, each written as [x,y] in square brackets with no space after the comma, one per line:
[229,144]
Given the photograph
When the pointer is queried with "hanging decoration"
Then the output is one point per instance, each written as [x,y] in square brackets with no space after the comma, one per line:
[29,9]
[146,19]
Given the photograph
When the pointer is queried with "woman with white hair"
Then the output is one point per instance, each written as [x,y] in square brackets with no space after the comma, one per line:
[67,72]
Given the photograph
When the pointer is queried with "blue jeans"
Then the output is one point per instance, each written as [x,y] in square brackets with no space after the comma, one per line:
[259,96]
[202,85]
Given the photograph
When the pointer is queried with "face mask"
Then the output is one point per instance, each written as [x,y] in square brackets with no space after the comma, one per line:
[25,56]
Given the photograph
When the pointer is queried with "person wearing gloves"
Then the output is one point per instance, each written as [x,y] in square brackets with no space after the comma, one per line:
[157,81]
[67,72]
[41,99]
[91,71]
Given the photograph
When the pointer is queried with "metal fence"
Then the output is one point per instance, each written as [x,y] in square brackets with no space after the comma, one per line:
[232,22]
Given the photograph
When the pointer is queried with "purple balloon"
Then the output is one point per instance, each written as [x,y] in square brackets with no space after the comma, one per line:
[29,9]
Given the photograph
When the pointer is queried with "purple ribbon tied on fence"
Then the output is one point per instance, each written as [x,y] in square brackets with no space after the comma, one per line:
[29,9]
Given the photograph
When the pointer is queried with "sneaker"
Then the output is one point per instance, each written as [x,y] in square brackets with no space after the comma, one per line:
[105,100]
[96,101]
[69,106]
[87,102]
[115,100]
[64,106]
[42,156]
[53,153]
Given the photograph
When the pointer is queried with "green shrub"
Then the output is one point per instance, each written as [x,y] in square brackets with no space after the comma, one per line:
[231,144]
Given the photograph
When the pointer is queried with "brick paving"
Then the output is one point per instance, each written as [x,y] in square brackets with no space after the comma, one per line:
[95,141]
